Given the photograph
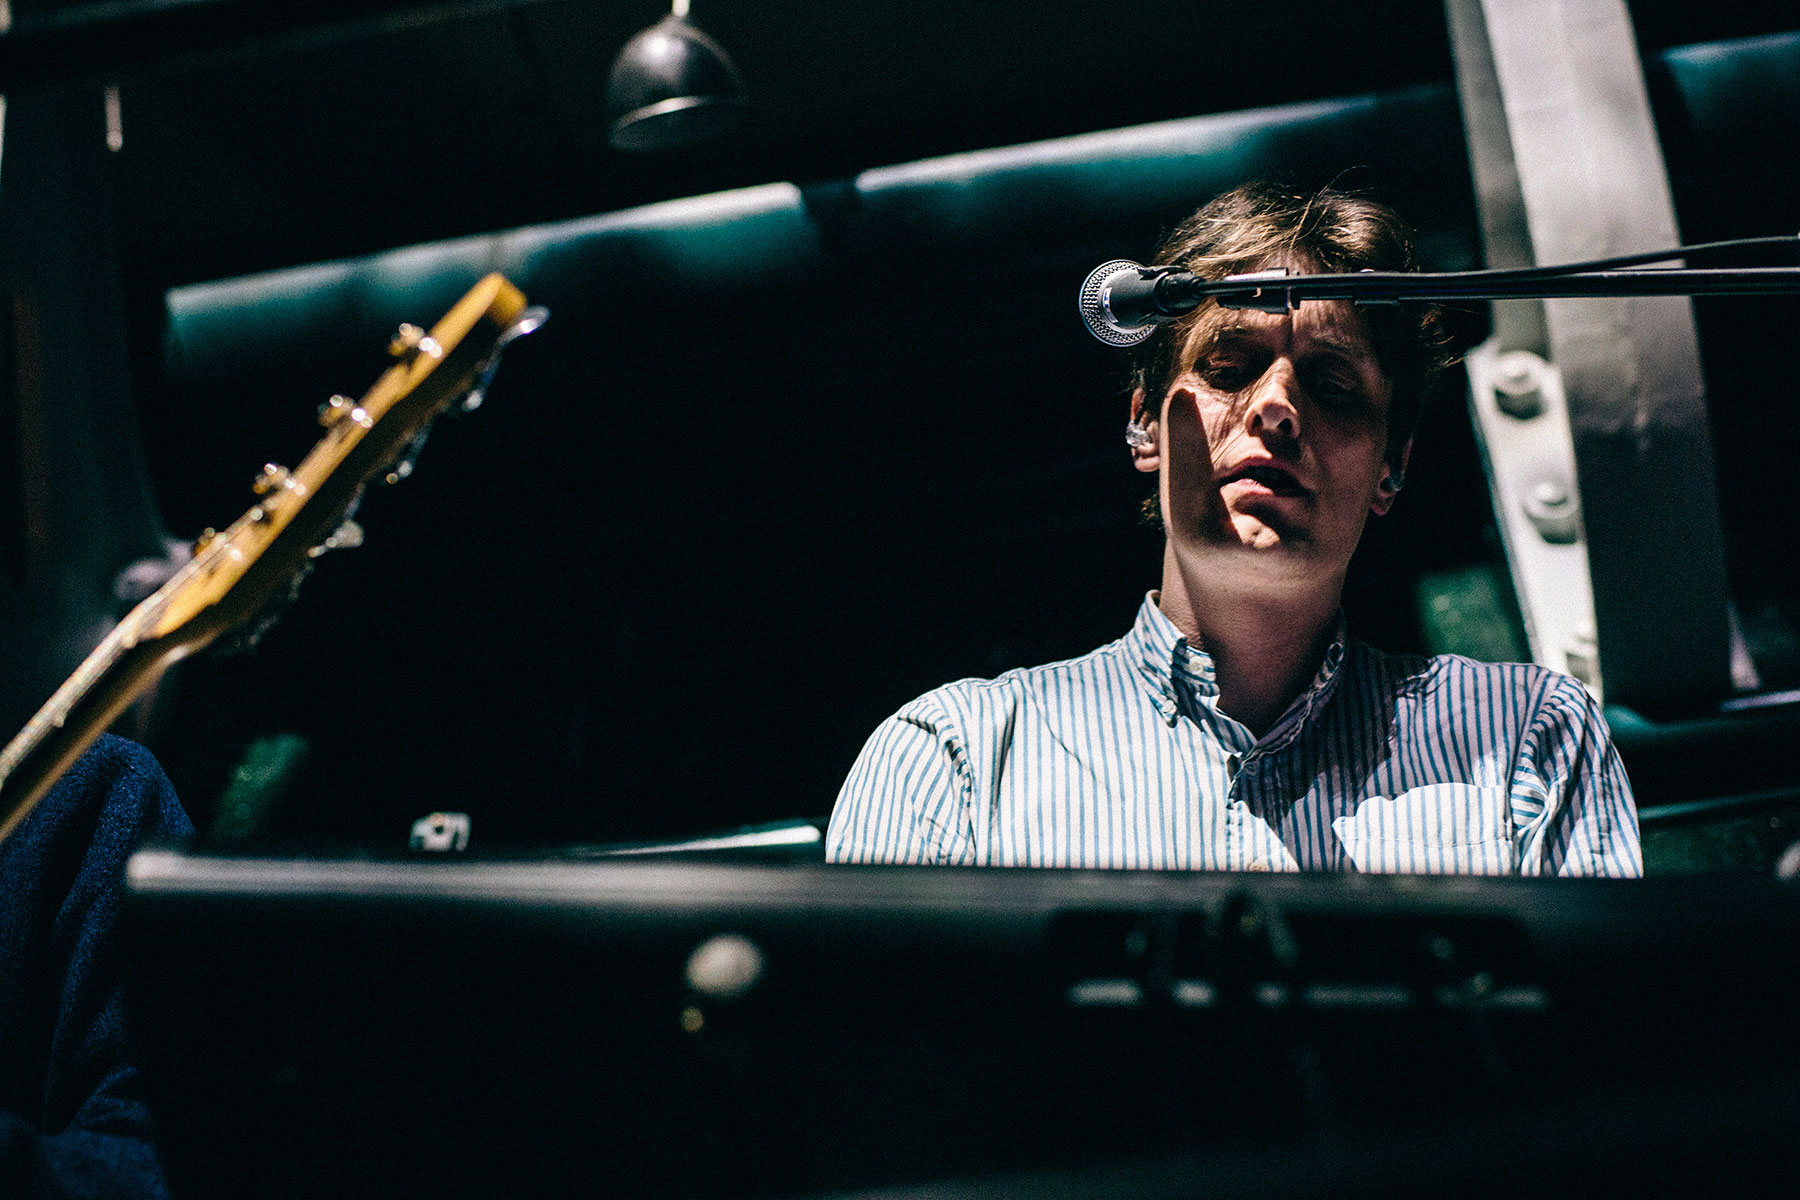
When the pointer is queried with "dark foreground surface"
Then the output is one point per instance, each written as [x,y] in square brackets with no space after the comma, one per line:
[341,1027]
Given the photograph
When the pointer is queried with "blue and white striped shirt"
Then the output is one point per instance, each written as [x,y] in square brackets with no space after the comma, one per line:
[1121,758]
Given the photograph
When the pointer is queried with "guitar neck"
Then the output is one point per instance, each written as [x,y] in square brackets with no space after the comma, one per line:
[119,670]
[235,574]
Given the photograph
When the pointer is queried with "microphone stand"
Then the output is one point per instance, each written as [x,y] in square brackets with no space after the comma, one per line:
[1278,294]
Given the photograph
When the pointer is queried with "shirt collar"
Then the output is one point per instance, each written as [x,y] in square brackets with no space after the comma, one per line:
[1180,676]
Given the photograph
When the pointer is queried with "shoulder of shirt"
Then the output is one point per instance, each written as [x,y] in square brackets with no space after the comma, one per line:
[1441,672]
[1018,682]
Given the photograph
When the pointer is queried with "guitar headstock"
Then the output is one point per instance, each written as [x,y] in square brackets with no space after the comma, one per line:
[301,511]
[233,575]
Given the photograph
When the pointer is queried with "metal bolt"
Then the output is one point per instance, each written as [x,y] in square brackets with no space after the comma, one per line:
[1550,507]
[1582,653]
[1518,386]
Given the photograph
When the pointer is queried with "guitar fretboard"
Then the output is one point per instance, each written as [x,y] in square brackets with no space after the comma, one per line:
[96,666]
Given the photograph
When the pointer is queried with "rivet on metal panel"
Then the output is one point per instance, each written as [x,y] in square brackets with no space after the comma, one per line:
[1551,507]
[1583,656]
[1519,383]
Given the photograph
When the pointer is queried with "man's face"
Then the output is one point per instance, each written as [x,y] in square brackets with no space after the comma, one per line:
[1271,441]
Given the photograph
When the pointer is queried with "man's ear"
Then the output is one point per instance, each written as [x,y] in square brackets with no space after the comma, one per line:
[1388,489]
[1146,452]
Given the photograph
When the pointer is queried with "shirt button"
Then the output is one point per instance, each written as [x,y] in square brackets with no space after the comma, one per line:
[1260,865]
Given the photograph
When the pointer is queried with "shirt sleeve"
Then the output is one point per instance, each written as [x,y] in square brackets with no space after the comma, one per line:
[1573,813]
[73,1119]
[907,798]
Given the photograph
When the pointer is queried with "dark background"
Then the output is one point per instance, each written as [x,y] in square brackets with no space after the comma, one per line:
[367,141]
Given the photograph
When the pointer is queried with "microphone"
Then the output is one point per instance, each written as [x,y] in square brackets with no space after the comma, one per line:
[1121,304]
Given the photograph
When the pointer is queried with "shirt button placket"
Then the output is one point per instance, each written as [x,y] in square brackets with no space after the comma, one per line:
[1242,785]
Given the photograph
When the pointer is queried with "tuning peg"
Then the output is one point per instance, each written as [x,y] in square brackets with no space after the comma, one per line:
[528,320]
[410,341]
[403,466]
[338,409]
[346,536]
[271,478]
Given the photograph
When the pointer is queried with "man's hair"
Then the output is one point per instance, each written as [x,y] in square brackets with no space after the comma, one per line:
[1261,225]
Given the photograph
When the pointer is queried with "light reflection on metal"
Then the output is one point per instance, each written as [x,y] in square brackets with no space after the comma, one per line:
[115,119]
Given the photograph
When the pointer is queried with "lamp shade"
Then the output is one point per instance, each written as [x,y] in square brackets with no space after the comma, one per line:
[671,86]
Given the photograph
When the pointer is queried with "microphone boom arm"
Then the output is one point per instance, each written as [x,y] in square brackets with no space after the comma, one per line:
[1372,287]
[1122,302]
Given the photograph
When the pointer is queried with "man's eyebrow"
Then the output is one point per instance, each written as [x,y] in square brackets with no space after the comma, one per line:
[1215,335]
[1224,333]
[1355,350]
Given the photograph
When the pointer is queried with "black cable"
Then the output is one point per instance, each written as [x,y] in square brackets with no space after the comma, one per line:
[1521,275]
[1686,253]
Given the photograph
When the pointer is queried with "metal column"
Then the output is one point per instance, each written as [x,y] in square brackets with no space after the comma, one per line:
[1592,413]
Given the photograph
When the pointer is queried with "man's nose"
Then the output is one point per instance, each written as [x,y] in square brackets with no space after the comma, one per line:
[1274,410]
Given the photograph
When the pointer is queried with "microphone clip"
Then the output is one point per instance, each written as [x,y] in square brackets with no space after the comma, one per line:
[1258,295]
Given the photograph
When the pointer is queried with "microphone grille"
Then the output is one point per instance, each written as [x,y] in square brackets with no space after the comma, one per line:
[1093,306]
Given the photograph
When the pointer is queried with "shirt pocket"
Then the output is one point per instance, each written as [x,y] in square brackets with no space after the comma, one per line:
[1440,829]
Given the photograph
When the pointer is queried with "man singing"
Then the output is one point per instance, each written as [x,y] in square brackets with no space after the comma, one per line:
[1236,726]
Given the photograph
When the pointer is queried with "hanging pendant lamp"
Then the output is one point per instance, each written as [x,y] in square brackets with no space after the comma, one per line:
[672,86]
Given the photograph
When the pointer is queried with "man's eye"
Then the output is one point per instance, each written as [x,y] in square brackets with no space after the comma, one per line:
[1228,375]
[1336,392]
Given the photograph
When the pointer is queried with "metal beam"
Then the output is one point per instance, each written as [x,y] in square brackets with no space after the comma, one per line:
[1567,166]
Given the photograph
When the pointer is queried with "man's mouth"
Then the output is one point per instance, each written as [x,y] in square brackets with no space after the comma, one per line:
[1278,480]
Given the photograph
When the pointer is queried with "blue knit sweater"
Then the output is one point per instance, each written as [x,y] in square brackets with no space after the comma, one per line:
[72,1120]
